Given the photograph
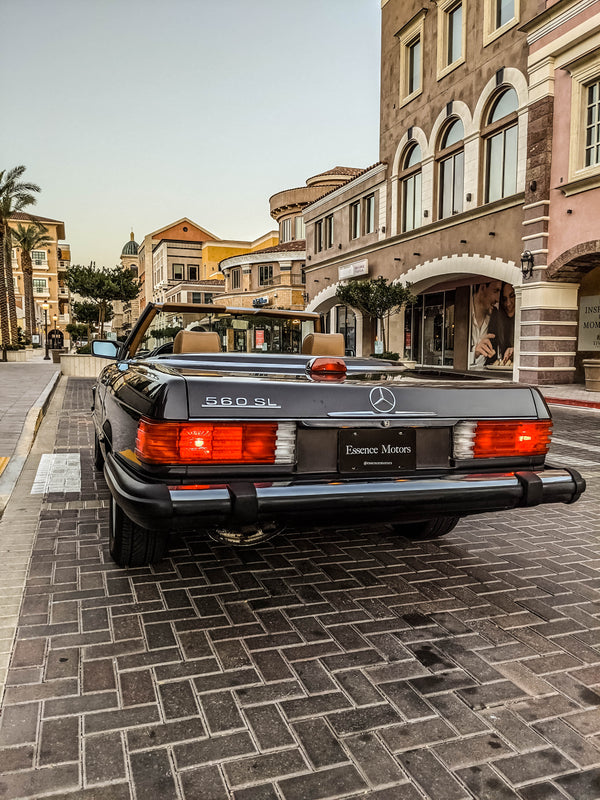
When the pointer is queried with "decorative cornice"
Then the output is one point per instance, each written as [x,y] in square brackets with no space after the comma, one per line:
[553,18]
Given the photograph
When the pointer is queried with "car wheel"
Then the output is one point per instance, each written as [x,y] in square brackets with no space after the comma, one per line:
[98,457]
[131,545]
[428,528]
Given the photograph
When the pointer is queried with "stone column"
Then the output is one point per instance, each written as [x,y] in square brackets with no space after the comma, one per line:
[547,328]
[548,332]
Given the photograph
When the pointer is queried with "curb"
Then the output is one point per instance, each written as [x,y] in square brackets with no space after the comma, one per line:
[32,422]
[565,401]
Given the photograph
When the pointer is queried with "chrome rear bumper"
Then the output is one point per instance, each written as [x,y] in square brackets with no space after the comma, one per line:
[294,502]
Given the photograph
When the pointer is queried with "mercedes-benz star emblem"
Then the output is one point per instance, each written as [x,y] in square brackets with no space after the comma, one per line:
[382,399]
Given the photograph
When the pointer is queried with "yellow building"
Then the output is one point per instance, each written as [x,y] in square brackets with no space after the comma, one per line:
[49,272]
[181,262]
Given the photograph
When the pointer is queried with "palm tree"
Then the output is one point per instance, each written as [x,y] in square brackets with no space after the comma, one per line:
[14,197]
[28,238]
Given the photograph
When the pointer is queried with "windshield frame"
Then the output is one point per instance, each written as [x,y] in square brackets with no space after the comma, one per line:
[134,341]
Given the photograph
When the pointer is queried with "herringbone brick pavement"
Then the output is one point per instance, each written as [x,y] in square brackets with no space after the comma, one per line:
[324,664]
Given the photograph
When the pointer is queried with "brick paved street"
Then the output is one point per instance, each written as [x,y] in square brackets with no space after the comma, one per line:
[320,665]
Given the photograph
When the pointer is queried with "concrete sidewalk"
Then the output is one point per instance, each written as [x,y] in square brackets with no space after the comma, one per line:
[25,391]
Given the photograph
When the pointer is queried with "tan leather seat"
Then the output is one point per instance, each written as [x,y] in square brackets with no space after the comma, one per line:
[324,344]
[197,342]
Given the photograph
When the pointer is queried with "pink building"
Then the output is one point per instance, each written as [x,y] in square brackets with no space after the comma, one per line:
[559,304]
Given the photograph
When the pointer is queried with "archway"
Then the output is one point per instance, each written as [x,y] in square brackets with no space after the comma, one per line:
[326,303]
[452,315]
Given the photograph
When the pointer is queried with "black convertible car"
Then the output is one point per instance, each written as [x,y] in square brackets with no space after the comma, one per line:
[243,422]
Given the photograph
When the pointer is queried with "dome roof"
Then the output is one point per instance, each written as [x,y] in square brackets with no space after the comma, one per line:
[131,247]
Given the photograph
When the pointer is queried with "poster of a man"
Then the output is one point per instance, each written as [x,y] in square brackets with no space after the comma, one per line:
[502,325]
[484,301]
[492,325]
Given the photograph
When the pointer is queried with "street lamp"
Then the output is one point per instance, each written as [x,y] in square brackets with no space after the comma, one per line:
[45,306]
[527,264]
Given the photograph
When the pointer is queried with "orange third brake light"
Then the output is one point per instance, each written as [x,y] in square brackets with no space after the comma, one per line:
[206,442]
[497,438]
[327,368]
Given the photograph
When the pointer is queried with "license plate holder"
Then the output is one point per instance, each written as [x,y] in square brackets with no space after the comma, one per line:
[389,450]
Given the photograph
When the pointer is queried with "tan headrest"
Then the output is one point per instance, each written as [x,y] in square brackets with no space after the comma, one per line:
[324,344]
[197,342]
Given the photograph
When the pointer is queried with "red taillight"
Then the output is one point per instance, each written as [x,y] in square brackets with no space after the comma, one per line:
[206,442]
[327,368]
[496,438]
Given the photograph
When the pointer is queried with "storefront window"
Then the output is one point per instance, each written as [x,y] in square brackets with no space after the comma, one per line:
[346,324]
[429,329]
[433,325]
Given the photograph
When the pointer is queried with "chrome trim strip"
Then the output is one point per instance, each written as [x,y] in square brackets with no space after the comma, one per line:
[415,414]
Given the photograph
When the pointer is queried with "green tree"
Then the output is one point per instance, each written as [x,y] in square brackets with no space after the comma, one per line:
[15,195]
[87,313]
[103,285]
[28,238]
[77,330]
[377,299]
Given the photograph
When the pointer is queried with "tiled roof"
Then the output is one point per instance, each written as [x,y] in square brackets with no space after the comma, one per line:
[298,244]
[29,217]
[345,185]
[352,171]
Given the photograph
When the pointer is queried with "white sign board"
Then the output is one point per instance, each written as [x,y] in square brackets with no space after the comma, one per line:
[589,323]
[354,269]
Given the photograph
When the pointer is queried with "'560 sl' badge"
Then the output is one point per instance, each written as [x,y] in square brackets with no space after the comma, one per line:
[382,399]
[240,402]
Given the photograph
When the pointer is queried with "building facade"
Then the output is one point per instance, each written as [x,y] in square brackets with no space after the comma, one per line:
[560,304]
[274,276]
[49,272]
[170,256]
[271,277]
[460,192]
[180,262]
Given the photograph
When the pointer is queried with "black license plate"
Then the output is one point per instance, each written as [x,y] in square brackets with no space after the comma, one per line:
[391,450]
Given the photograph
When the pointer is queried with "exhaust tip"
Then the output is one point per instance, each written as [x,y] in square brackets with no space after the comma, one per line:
[245,535]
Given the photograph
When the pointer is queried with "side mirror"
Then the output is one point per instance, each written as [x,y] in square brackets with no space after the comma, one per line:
[105,348]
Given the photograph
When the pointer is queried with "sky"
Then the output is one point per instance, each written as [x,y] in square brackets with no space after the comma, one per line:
[131,114]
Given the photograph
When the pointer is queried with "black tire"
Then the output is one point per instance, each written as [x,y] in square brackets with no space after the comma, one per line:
[131,545]
[98,457]
[428,528]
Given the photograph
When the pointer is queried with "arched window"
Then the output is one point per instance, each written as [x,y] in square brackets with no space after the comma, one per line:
[501,137]
[451,169]
[411,188]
